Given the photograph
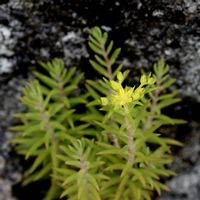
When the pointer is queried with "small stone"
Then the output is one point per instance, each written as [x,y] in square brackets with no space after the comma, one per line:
[157,13]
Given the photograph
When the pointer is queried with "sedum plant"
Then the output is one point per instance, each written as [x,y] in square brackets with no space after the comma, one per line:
[104,144]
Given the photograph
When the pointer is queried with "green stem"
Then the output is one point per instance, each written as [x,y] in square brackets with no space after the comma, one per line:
[53,192]
[84,168]
[130,134]
[152,113]
[110,76]
[108,64]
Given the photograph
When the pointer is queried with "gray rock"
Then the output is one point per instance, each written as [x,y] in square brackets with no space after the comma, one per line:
[9,35]
[69,43]
[10,170]
[6,190]
[184,186]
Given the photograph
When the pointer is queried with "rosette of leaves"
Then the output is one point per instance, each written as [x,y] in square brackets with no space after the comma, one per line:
[112,150]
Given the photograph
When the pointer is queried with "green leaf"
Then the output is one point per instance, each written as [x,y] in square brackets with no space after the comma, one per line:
[77,79]
[28,129]
[95,48]
[168,102]
[98,68]
[96,32]
[112,182]
[92,92]
[34,147]
[48,81]
[30,116]
[114,151]
[81,99]
[172,141]
[95,193]
[115,167]
[38,175]
[66,136]
[47,140]
[165,119]
[121,188]
[94,41]
[73,163]
[119,68]
[48,98]
[98,87]
[69,89]
[100,61]
[109,48]
[69,75]
[27,101]
[126,169]
[70,190]
[38,161]
[167,96]
[70,180]
[93,182]
[58,126]
[115,55]
[104,38]
[168,83]
[55,108]
[135,190]
[139,176]
[22,140]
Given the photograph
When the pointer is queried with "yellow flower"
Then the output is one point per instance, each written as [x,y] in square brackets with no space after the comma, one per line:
[122,97]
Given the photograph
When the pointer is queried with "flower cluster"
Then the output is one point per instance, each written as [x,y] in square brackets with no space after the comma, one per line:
[123,96]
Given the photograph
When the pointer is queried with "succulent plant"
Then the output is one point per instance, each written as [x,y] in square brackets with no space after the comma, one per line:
[111,148]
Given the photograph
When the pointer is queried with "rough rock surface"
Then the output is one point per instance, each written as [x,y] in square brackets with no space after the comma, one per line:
[32,30]
[186,185]
[10,170]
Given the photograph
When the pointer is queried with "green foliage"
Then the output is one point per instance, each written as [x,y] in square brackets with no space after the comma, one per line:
[111,149]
